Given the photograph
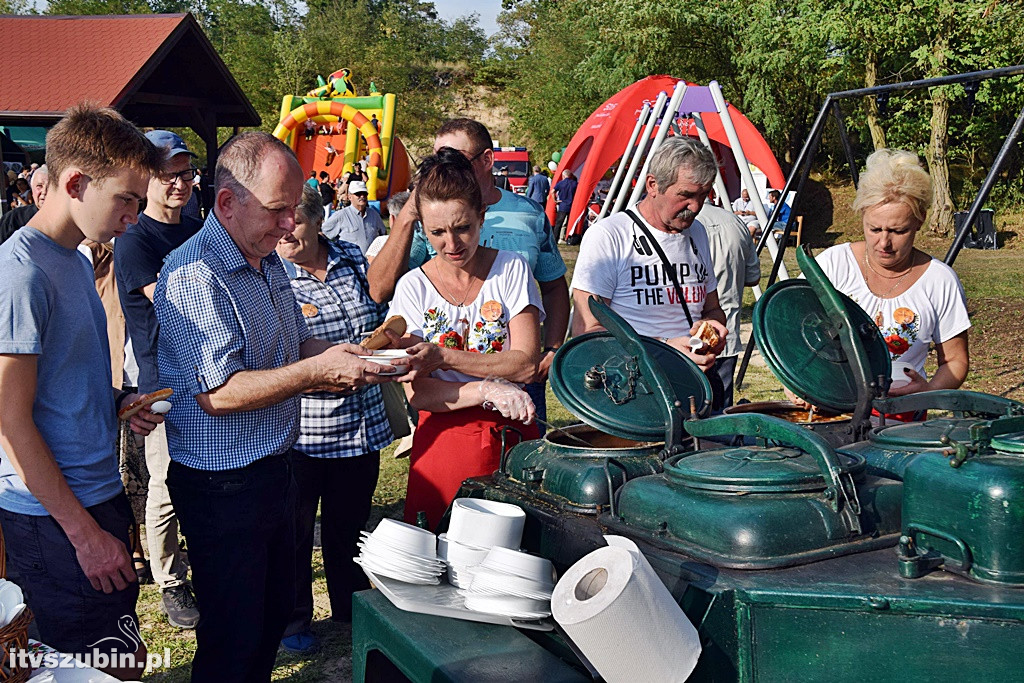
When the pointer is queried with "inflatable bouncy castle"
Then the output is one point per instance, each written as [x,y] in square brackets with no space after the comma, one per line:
[331,129]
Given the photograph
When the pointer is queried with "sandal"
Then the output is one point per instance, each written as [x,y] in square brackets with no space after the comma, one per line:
[142,571]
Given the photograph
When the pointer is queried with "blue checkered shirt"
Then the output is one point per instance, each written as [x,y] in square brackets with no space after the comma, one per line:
[218,315]
[340,310]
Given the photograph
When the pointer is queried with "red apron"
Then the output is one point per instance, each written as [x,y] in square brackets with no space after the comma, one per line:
[449,448]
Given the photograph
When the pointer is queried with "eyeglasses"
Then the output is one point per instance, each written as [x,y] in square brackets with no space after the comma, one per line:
[466,154]
[186,176]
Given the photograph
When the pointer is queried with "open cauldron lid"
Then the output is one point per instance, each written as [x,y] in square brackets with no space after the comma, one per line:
[621,392]
[801,344]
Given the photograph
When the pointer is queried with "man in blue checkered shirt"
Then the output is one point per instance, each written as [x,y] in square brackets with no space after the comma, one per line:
[235,348]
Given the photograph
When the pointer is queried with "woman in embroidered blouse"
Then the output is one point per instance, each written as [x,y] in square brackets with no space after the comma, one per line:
[482,307]
[915,300]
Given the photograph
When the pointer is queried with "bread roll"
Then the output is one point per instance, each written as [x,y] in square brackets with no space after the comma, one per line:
[378,340]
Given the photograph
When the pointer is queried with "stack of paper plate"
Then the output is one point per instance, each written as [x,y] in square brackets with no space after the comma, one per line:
[476,526]
[401,551]
[512,584]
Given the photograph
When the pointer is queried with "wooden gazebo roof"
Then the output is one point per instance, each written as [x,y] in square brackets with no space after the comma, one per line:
[158,70]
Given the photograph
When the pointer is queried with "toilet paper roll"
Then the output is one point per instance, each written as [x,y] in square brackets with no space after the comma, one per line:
[618,613]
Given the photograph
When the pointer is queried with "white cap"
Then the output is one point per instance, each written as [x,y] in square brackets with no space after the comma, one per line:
[357,186]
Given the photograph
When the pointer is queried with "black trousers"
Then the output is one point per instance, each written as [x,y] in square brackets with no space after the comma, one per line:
[241,545]
[343,488]
[71,615]
[561,218]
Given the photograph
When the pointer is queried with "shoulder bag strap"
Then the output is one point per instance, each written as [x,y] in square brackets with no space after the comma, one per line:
[669,268]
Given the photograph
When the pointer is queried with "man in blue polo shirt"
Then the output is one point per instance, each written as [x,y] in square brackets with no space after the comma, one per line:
[565,193]
[235,348]
[138,257]
[512,223]
[63,509]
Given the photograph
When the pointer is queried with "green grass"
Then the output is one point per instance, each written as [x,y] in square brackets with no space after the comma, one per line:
[992,280]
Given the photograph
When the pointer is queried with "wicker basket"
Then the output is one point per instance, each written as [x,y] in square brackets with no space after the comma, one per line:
[13,636]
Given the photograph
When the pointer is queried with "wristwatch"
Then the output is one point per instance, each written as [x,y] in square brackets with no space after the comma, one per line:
[552,349]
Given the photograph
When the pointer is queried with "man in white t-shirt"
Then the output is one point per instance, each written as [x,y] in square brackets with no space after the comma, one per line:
[744,208]
[618,263]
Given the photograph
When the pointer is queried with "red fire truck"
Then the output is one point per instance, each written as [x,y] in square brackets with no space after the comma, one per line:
[515,163]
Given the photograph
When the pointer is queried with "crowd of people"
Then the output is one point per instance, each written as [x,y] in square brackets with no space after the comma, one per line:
[254,317]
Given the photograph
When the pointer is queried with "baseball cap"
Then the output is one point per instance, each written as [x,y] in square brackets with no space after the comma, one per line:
[170,142]
[357,186]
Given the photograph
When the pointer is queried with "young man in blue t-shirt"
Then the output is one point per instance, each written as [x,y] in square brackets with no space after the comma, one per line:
[138,257]
[63,509]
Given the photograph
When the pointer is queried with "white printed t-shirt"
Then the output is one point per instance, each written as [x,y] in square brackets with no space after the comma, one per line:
[468,328]
[934,309]
[617,263]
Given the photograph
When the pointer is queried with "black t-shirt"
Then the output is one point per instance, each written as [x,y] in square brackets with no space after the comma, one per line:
[15,219]
[138,257]
[327,193]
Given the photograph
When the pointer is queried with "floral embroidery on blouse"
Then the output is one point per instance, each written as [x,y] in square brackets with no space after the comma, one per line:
[902,333]
[479,336]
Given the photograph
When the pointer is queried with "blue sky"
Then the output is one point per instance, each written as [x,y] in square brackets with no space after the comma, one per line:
[487,9]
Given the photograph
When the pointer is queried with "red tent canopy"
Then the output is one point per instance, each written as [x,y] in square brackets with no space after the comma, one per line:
[601,141]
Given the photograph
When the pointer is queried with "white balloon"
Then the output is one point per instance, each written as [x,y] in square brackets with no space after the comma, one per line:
[552,166]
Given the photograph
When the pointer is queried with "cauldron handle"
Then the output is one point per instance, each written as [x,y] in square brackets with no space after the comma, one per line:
[505,451]
[840,492]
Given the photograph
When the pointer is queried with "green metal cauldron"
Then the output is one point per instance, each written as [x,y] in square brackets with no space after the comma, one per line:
[577,477]
[895,555]
[630,392]
[759,507]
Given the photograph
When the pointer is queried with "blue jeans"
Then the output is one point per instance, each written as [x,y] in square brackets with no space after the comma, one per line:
[240,529]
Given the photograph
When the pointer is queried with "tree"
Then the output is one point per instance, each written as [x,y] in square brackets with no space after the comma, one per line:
[399,45]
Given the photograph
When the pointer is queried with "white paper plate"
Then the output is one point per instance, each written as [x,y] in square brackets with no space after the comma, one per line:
[385,356]
[401,566]
[376,542]
[497,592]
[443,600]
[491,605]
[509,582]
[402,562]
[398,576]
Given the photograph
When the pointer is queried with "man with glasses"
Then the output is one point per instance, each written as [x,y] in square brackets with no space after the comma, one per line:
[358,223]
[512,222]
[235,348]
[138,257]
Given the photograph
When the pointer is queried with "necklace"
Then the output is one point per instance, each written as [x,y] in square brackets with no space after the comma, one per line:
[899,278]
[447,294]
